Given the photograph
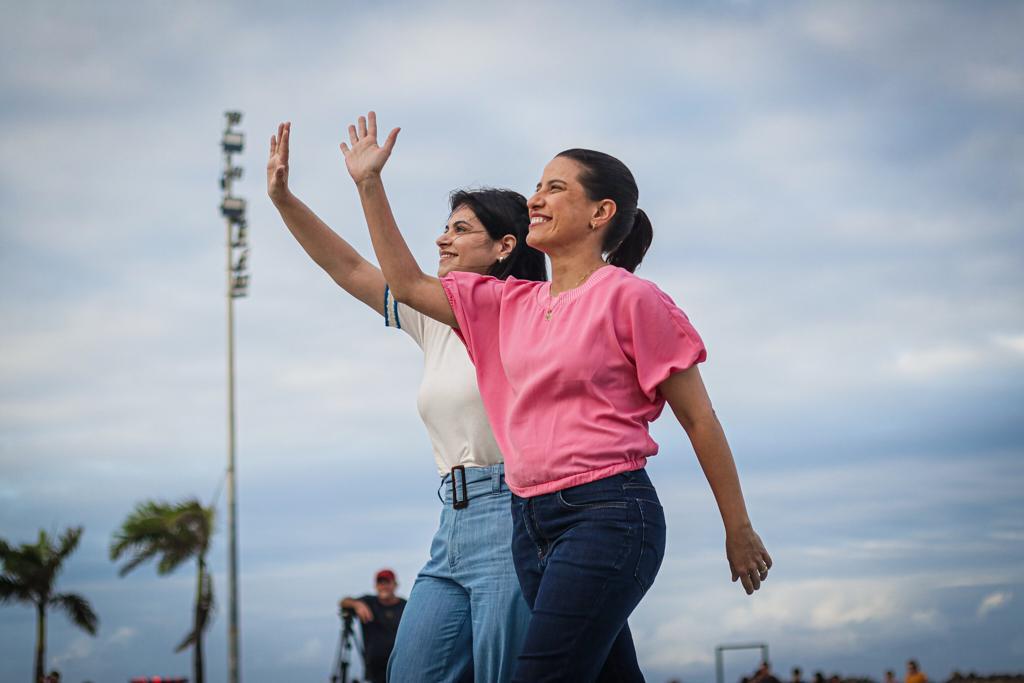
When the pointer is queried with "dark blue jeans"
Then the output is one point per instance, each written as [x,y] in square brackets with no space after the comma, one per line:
[585,556]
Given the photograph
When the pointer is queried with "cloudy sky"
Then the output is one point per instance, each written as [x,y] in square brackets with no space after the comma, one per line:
[837,191]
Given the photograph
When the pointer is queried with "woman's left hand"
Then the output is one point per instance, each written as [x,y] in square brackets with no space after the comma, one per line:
[748,559]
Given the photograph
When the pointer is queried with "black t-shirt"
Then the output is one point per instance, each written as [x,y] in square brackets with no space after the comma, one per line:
[379,634]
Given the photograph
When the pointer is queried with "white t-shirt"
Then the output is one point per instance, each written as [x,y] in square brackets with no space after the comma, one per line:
[448,400]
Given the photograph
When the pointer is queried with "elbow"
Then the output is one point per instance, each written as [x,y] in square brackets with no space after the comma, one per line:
[404,289]
[699,420]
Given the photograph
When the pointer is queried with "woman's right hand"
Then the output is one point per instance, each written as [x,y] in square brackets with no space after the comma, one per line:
[277,164]
[365,159]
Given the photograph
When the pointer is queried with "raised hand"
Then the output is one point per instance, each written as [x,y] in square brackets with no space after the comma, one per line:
[277,164]
[365,158]
[748,559]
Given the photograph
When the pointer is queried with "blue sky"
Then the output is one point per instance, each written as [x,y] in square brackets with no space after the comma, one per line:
[836,191]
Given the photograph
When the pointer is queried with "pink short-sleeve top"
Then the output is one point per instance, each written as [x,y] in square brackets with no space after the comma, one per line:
[570,383]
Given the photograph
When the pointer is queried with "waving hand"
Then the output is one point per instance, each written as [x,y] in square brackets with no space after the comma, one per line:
[365,158]
[277,164]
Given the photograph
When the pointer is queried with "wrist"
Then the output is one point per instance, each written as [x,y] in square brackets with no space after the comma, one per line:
[739,525]
[283,199]
[368,181]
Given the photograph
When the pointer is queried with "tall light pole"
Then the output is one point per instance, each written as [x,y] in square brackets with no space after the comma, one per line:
[233,210]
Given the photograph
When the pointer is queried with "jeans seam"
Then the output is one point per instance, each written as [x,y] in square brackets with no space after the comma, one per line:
[643,543]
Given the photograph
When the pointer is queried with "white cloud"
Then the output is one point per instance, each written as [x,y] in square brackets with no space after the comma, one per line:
[80,648]
[123,635]
[936,362]
[992,602]
[1011,342]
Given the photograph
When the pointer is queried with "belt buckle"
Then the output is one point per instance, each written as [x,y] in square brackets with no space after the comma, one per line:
[464,502]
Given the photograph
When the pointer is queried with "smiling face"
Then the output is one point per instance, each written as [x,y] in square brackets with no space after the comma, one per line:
[561,213]
[466,246]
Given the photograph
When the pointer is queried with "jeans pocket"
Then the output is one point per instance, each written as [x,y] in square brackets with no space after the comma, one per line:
[652,542]
[582,498]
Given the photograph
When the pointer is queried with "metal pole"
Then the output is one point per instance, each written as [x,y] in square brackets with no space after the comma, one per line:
[233,209]
[232,501]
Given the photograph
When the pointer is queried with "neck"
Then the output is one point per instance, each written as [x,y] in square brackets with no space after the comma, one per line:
[569,271]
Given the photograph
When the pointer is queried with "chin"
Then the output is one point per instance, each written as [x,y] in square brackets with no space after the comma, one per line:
[536,241]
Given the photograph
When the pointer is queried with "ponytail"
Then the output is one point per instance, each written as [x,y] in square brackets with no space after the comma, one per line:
[629,234]
[631,250]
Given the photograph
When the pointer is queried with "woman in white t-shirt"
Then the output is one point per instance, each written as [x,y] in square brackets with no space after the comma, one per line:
[466,617]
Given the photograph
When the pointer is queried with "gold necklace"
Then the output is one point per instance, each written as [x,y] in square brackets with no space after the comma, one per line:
[552,300]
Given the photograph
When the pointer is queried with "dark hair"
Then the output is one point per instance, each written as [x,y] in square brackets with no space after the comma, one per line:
[629,235]
[504,212]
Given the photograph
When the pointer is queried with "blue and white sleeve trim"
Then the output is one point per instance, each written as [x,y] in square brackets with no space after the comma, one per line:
[391,318]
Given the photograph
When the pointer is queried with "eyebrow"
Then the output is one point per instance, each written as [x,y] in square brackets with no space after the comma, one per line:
[553,180]
[463,223]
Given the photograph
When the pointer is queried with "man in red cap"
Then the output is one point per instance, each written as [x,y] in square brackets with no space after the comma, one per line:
[379,615]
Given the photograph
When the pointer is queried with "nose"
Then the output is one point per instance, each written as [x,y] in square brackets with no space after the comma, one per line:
[536,201]
[443,239]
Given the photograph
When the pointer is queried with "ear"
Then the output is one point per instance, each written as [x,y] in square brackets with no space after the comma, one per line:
[507,244]
[603,214]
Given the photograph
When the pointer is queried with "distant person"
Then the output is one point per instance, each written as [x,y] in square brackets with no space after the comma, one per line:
[819,677]
[764,674]
[379,615]
[890,676]
[914,673]
[796,675]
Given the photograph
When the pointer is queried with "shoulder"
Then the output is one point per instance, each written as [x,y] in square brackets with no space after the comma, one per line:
[633,291]
[511,284]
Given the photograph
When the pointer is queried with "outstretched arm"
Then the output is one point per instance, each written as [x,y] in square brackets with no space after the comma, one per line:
[352,272]
[685,393]
[365,159]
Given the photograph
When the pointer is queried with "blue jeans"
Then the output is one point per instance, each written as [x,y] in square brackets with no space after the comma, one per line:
[585,556]
[466,617]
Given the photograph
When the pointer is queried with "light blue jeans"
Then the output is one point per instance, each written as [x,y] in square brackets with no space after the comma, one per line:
[466,617]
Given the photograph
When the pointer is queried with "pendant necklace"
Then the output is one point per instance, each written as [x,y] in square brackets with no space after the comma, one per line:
[553,300]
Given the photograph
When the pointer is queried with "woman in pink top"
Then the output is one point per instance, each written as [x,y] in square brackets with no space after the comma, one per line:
[571,372]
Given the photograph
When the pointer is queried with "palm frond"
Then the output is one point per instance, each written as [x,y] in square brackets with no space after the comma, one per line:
[174,532]
[12,590]
[78,610]
[30,570]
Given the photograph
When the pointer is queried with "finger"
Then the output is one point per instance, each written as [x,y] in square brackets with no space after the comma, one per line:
[362,126]
[352,135]
[747,585]
[273,145]
[389,144]
[767,559]
[285,138]
[755,579]
[371,124]
[344,149]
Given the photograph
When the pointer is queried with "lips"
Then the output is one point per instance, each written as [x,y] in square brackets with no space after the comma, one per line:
[537,219]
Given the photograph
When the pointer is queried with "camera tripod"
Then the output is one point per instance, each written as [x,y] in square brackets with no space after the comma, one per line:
[343,654]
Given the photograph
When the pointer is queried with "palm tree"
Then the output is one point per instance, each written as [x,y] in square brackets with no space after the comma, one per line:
[177,533]
[29,574]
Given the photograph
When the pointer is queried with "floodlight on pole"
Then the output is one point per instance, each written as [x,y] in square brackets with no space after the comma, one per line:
[233,210]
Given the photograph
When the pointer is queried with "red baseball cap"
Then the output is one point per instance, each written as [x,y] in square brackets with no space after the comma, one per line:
[385,575]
